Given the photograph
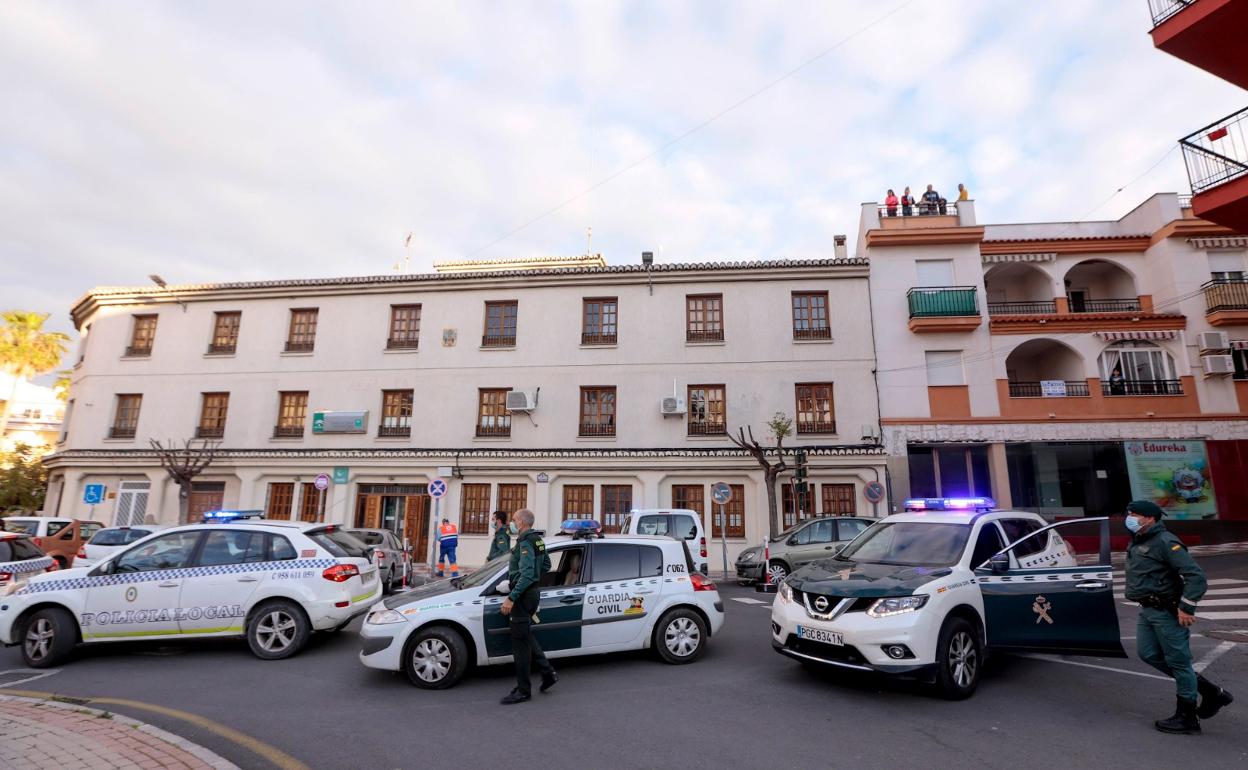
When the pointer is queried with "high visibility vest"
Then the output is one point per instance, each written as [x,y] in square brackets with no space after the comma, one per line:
[448,534]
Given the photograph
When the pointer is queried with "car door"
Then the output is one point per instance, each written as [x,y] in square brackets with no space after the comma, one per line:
[624,585]
[559,613]
[229,568]
[1050,599]
[820,542]
[138,593]
[848,529]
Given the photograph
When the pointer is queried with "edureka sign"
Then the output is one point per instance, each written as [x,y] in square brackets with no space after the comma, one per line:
[1173,474]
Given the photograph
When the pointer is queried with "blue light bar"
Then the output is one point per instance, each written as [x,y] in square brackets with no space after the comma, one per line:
[210,516]
[579,526]
[950,504]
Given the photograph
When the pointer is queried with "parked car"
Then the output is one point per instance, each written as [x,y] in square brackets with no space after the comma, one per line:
[110,540]
[58,537]
[394,562]
[679,523]
[799,545]
[20,558]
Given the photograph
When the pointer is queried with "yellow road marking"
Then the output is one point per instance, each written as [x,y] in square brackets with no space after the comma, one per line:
[273,755]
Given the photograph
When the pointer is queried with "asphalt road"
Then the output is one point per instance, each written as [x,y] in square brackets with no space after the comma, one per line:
[742,705]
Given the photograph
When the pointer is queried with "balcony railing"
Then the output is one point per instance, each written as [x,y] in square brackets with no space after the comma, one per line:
[817,333]
[704,428]
[300,347]
[134,351]
[919,209]
[493,431]
[1217,153]
[1105,306]
[1142,388]
[810,426]
[222,349]
[121,432]
[288,431]
[204,431]
[1164,9]
[1037,389]
[1031,307]
[498,340]
[704,335]
[1185,201]
[598,339]
[936,301]
[598,429]
[394,431]
[1226,294]
[402,343]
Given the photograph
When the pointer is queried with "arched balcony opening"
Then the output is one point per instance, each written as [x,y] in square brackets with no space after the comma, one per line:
[1017,288]
[1045,368]
[1100,286]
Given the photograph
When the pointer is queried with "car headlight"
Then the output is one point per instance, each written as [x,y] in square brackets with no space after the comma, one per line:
[382,617]
[750,555]
[895,605]
[13,588]
[785,592]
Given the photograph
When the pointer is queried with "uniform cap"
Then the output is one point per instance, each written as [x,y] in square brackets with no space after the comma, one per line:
[1146,508]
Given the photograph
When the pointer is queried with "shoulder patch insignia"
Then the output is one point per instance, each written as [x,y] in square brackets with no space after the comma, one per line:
[1176,547]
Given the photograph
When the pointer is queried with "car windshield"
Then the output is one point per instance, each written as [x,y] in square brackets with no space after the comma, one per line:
[368,538]
[909,544]
[785,534]
[118,536]
[339,542]
[21,527]
[18,549]
[485,573]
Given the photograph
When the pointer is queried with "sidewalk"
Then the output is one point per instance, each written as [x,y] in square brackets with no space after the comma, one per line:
[37,734]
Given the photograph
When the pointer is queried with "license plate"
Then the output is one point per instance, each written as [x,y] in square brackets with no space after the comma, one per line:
[820,635]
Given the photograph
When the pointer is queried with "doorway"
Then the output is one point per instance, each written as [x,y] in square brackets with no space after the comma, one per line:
[401,508]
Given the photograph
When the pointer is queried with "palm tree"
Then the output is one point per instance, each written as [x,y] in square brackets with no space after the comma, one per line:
[26,351]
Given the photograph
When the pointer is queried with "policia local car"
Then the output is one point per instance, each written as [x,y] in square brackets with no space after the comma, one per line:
[926,593]
[272,582]
[621,592]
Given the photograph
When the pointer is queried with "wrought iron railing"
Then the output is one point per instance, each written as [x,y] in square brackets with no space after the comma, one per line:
[394,431]
[1030,307]
[704,335]
[288,431]
[707,428]
[134,351]
[204,431]
[812,426]
[935,301]
[1142,388]
[121,432]
[598,429]
[948,208]
[816,333]
[1226,294]
[222,349]
[1217,153]
[1071,388]
[1104,305]
[402,343]
[588,338]
[498,340]
[300,347]
[1164,9]
[494,431]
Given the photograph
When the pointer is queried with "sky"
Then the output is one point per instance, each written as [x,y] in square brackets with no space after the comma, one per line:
[245,141]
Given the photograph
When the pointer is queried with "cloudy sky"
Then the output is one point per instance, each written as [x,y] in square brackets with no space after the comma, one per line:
[241,140]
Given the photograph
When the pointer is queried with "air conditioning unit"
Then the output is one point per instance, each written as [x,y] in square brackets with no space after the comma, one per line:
[672,405]
[521,400]
[870,432]
[1218,365]
[1213,341]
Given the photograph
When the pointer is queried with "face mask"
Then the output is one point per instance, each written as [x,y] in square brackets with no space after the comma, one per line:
[513,529]
[1133,523]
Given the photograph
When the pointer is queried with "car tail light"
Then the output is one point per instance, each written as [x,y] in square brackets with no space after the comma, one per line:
[702,544]
[340,573]
[5,577]
[82,553]
[53,567]
[702,582]
[38,541]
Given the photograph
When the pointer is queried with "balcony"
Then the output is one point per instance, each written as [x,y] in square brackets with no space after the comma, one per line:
[288,431]
[1142,388]
[204,431]
[1104,305]
[815,333]
[598,339]
[496,430]
[224,349]
[1208,34]
[498,340]
[135,351]
[943,309]
[1049,389]
[704,335]
[300,347]
[118,431]
[394,431]
[1217,167]
[704,428]
[403,343]
[1036,307]
[811,427]
[597,429]
[1226,301]
[919,216]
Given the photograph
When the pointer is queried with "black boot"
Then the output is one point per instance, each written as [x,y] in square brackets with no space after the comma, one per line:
[548,681]
[1184,721]
[515,696]
[1212,698]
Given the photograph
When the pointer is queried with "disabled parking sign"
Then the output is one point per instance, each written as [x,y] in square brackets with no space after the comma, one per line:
[93,494]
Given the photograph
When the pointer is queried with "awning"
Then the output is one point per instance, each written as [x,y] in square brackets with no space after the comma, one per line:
[1143,335]
[1239,344]
[1045,256]
[1222,242]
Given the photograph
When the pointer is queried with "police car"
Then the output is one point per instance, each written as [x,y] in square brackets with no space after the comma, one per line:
[928,592]
[272,582]
[20,558]
[621,592]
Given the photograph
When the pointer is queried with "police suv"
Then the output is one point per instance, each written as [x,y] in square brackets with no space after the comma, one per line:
[621,592]
[272,582]
[928,592]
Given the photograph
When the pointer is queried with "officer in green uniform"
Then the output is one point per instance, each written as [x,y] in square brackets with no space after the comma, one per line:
[528,561]
[1167,583]
[502,536]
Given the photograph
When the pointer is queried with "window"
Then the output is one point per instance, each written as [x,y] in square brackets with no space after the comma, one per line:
[1016,530]
[816,412]
[1226,267]
[1138,368]
[578,501]
[500,324]
[126,419]
[225,332]
[280,500]
[205,496]
[142,336]
[704,318]
[302,338]
[810,316]
[19,550]
[910,544]
[598,321]
[212,410]
[224,546]
[512,497]
[617,501]
[848,529]
[944,367]
[474,509]
[292,410]
[706,410]
[615,561]
[280,549]
[734,512]
[340,542]
[684,526]
[822,531]
[651,561]
[172,551]
[119,536]
[565,568]
[986,544]
[1239,357]
[311,503]
[654,524]
[934,272]
[838,500]
[404,327]
[690,497]
[792,515]
[396,413]
[493,419]
[597,411]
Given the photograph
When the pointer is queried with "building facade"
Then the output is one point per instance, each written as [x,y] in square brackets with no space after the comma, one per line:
[34,416]
[572,388]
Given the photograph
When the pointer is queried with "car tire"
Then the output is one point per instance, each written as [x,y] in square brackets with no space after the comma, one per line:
[390,581]
[61,562]
[779,571]
[48,636]
[435,658]
[680,636]
[959,659]
[277,630]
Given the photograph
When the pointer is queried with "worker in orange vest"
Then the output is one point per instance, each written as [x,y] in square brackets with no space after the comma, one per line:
[448,541]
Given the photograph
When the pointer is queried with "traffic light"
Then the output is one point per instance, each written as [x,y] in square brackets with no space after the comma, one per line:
[802,487]
[799,465]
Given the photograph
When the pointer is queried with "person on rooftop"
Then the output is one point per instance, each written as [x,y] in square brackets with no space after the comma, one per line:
[890,203]
[931,199]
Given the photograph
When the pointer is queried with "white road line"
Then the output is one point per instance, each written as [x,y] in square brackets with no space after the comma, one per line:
[1227,582]
[1212,655]
[746,601]
[1225,591]
[1093,665]
[33,675]
[1241,601]
[1223,615]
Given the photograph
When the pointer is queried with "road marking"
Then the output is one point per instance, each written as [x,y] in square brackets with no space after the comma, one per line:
[1241,601]
[1223,615]
[744,600]
[1214,582]
[1092,665]
[1225,591]
[32,673]
[1212,655]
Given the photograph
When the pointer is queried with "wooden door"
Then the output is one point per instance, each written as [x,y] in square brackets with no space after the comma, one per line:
[416,525]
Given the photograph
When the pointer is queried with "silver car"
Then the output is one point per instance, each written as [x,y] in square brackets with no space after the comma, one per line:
[801,544]
[393,560]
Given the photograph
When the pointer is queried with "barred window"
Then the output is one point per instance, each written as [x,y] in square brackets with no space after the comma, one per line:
[142,336]
[493,419]
[689,496]
[212,413]
[704,318]
[126,418]
[500,324]
[404,327]
[512,497]
[810,315]
[816,412]
[292,410]
[474,509]
[396,413]
[312,503]
[597,411]
[598,321]
[707,411]
[225,332]
[617,501]
[302,336]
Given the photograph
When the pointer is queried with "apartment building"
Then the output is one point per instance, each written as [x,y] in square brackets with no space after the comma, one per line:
[568,386]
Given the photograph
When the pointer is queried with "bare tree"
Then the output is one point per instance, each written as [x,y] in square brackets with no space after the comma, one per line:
[183,464]
[780,426]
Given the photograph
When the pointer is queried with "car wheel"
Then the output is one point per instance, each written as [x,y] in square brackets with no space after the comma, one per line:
[47,637]
[435,658]
[680,636]
[390,581]
[778,571]
[959,659]
[61,562]
[278,630]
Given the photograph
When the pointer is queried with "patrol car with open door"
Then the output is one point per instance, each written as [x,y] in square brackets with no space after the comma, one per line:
[928,593]
[602,594]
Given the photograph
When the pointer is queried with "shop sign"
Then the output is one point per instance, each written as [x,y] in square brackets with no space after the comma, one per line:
[340,422]
[1173,474]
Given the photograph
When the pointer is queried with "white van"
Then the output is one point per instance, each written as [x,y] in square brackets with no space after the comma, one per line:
[677,523]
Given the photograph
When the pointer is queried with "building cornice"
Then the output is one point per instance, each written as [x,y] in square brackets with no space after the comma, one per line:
[928,236]
[1189,228]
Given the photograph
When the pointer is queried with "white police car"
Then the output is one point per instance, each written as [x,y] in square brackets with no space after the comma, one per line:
[621,592]
[928,592]
[272,582]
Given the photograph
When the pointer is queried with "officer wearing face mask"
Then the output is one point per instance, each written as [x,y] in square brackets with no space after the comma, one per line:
[1167,583]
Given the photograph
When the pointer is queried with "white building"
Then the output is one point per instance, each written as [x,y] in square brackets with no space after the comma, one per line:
[34,416]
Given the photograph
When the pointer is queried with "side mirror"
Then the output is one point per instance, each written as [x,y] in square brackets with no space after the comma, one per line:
[792,540]
[105,568]
[503,588]
[1000,563]
[837,548]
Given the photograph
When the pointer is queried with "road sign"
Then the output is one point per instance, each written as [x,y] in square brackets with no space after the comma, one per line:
[721,493]
[341,473]
[93,494]
[873,491]
[322,481]
[437,489]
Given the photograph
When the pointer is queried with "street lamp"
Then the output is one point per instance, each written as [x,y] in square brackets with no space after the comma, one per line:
[156,279]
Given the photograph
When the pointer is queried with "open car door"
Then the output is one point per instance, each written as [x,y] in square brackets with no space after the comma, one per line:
[1053,591]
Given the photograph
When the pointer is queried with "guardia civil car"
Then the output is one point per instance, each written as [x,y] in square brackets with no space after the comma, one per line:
[269,581]
[928,592]
[602,594]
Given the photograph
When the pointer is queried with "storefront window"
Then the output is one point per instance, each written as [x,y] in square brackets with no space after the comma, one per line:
[1069,478]
[949,471]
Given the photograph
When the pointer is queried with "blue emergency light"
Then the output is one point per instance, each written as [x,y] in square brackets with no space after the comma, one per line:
[950,504]
[218,516]
[580,527]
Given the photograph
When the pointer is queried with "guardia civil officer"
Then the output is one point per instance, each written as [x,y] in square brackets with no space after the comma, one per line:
[502,536]
[1167,583]
[528,561]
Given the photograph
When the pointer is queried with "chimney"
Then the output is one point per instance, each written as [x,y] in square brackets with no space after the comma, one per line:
[647,258]
[841,251]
